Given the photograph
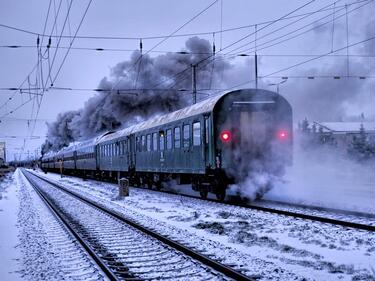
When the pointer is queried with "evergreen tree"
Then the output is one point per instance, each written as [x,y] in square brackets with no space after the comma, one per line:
[305,125]
[359,147]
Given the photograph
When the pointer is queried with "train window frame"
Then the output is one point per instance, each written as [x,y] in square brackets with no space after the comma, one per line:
[143,143]
[207,129]
[154,141]
[161,140]
[138,143]
[197,133]
[168,139]
[186,136]
[148,142]
[175,139]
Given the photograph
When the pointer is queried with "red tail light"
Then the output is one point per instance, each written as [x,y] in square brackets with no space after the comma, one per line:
[225,136]
[282,135]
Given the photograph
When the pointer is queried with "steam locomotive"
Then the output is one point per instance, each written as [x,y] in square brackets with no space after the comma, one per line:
[210,145]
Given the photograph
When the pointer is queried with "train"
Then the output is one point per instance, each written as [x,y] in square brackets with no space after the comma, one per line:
[211,144]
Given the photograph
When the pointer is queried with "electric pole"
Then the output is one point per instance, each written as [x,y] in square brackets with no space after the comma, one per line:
[194,82]
[256,70]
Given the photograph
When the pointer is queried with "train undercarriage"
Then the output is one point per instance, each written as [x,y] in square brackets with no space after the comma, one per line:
[214,182]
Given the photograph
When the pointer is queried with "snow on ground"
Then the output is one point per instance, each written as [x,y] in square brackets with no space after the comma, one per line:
[47,250]
[327,179]
[9,252]
[281,246]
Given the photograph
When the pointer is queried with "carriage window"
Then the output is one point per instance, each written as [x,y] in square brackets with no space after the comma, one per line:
[138,143]
[154,141]
[197,133]
[143,145]
[161,140]
[177,137]
[186,132]
[169,139]
[148,142]
[207,134]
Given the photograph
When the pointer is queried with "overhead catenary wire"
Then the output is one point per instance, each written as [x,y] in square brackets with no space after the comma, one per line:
[252,49]
[272,75]
[250,34]
[273,31]
[314,27]
[173,36]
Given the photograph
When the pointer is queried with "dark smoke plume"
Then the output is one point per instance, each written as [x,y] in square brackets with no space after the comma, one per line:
[59,132]
[343,99]
[117,107]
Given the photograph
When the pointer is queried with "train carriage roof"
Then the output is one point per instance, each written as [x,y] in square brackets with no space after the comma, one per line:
[204,106]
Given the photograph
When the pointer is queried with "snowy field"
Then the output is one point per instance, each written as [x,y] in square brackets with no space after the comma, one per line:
[34,246]
[9,232]
[267,246]
[324,179]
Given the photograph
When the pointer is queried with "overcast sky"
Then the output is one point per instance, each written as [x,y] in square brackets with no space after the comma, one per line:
[124,18]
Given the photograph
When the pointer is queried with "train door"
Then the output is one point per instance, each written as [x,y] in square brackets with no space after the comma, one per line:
[162,150]
[121,156]
[131,151]
[99,155]
[206,141]
[197,152]
[253,132]
[186,146]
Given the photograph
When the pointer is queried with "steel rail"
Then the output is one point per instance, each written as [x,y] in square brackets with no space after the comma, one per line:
[108,272]
[332,221]
[227,271]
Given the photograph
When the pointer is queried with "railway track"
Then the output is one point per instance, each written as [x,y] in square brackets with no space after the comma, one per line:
[123,249]
[299,211]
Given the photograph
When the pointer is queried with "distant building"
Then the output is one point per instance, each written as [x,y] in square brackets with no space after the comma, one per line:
[341,133]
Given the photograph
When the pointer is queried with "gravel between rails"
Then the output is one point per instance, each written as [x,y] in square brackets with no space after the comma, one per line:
[49,251]
[136,253]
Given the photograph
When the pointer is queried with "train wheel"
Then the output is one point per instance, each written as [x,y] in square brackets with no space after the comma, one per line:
[149,184]
[158,185]
[220,194]
[203,194]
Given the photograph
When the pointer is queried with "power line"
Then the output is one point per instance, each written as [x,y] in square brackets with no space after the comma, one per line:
[173,36]
[320,56]
[272,75]
[301,28]
[71,43]
[244,37]
[314,27]
[273,31]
